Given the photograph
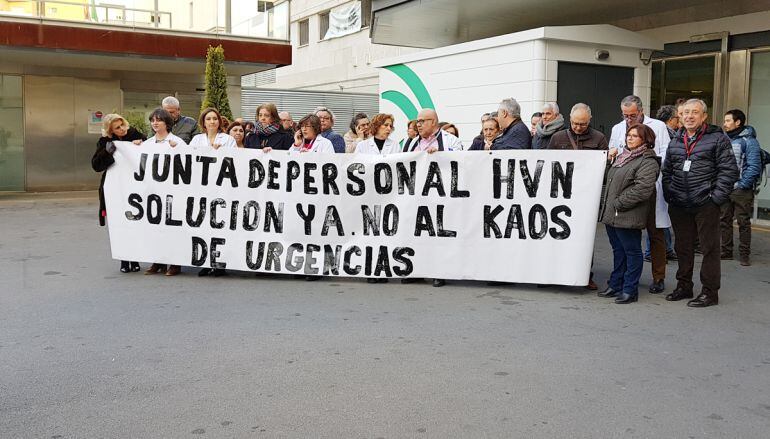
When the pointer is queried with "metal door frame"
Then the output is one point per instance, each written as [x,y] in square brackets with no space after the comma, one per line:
[751,52]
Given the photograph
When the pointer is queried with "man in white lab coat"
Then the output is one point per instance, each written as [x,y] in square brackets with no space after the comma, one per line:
[633,112]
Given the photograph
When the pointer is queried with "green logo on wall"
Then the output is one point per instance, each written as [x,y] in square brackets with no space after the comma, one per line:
[417,87]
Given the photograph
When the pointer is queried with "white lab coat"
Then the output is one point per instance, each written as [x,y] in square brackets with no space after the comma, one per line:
[201,141]
[662,139]
[320,144]
[167,140]
[369,147]
[448,141]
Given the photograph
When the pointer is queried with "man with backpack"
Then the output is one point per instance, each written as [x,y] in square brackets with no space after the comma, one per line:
[748,156]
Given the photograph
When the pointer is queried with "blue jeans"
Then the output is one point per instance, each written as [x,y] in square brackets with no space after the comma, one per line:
[669,243]
[627,259]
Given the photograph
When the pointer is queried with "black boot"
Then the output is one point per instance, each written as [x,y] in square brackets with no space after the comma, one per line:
[125,267]
[135,267]
[624,298]
[609,292]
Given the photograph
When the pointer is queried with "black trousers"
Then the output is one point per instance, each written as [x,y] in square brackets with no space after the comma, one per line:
[701,223]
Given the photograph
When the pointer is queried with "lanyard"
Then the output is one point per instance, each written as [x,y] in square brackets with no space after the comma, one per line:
[689,147]
[309,146]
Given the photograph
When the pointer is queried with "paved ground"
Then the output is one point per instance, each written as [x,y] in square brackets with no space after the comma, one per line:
[88,352]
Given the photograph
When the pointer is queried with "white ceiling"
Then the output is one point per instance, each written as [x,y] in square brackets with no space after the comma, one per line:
[436,23]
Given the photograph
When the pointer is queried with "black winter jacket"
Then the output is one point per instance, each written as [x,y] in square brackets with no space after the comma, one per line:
[281,140]
[103,159]
[712,174]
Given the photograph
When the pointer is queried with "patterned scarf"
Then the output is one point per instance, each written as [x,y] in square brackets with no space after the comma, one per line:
[628,155]
[267,130]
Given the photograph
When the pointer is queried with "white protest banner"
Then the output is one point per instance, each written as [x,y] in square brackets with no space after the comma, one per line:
[519,216]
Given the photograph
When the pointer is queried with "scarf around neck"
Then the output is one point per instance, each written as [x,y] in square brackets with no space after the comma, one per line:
[550,128]
[628,155]
[267,130]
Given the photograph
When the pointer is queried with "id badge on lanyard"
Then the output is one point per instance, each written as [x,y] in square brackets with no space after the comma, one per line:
[689,148]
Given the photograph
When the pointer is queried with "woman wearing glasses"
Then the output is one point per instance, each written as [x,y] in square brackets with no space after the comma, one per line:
[308,137]
[626,202]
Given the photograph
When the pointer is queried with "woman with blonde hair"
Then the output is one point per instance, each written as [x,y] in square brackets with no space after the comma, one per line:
[115,128]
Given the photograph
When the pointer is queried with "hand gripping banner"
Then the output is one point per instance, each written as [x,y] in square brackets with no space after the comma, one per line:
[519,216]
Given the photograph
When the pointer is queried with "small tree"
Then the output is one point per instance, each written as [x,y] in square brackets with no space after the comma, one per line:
[216,82]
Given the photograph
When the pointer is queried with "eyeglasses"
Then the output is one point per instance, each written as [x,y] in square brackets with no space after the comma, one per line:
[422,121]
[579,124]
[630,116]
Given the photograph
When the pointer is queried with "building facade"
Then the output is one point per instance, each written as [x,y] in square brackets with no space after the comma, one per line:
[63,65]
[716,51]
[329,61]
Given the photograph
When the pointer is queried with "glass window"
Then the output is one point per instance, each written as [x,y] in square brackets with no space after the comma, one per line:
[304,32]
[759,117]
[11,134]
[323,25]
[676,79]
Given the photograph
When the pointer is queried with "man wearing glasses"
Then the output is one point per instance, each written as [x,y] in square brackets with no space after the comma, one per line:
[430,137]
[633,112]
[579,135]
[327,122]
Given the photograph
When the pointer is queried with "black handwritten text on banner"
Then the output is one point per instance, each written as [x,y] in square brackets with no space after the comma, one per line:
[523,216]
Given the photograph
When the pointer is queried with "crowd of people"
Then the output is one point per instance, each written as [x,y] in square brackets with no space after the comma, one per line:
[677,177]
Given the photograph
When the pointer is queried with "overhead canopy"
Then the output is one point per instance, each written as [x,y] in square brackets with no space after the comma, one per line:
[437,23]
[31,43]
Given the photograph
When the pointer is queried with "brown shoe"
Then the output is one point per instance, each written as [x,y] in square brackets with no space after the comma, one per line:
[592,285]
[155,268]
[173,270]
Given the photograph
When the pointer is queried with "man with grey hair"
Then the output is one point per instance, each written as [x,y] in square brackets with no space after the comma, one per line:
[286,121]
[327,122]
[579,135]
[551,122]
[699,174]
[633,113]
[184,127]
[515,134]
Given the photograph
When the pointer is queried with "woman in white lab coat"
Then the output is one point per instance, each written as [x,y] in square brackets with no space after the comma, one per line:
[161,123]
[380,143]
[213,135]
[306,139]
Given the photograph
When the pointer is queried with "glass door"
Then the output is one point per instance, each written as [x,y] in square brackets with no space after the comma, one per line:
[759,117]
[677,79]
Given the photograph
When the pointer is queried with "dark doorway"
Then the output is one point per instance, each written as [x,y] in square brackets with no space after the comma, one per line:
[601,87]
